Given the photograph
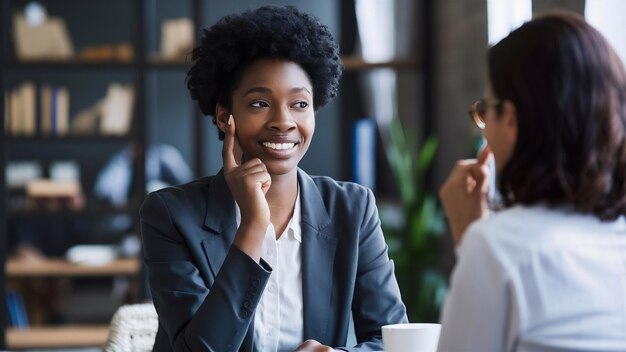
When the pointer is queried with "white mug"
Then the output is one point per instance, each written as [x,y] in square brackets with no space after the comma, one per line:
[414,337]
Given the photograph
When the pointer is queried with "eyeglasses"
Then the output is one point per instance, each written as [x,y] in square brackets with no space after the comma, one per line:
[478,110]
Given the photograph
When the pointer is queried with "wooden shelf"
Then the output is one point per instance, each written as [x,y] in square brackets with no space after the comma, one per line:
[57,337]
[350,63]
[176,63]
[356,63]
[70,64]
[152,62]
[67,139]
[19,269]
[88,211]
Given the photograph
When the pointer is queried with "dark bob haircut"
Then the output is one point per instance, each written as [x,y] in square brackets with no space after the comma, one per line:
[569,89]
[237,40]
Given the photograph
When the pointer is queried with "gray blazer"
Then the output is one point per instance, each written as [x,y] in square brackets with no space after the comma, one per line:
[206,290]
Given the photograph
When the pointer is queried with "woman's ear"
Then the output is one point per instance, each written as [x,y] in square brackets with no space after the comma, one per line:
[221,117]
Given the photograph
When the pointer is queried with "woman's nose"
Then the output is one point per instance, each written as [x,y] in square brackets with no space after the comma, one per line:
[282,120]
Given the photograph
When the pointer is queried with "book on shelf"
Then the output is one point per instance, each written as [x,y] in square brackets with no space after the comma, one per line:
[20,110]
[55,102]
[364,152]
[27,107]
[177,38]
[53,195]
[47,40]
[60,111]
[14,112]
[122,52]
[46,109]
[109,116]
[17,312]
[117,110]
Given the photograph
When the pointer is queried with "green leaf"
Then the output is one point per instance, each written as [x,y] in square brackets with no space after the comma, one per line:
[426,155]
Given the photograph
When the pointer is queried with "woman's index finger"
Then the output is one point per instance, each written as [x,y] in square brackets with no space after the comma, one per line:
[228,148]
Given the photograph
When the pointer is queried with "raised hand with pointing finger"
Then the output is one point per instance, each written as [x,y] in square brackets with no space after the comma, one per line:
[248,182]
[464,193]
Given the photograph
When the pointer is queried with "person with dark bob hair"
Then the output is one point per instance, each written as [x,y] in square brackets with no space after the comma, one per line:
[546,272]
[262,256]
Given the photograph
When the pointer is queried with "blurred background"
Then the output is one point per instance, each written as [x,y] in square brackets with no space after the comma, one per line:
[96,114]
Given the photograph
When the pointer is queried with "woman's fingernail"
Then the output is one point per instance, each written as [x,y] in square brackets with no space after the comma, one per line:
[230,118]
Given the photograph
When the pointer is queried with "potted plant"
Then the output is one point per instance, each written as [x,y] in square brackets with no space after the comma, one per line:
[413,238]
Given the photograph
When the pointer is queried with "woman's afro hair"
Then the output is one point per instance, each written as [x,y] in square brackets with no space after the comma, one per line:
[267,32]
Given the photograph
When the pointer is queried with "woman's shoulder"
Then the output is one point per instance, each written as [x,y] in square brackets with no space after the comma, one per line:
[338,197]
[328,184]
[190,193]
[516,226]
[191,187]
[536,221]
[520,231]
[503,240]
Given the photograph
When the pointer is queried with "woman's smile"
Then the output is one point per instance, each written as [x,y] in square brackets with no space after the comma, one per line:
[273,110]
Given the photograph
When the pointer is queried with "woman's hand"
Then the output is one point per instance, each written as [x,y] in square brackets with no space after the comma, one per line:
[248,183]
[313,346]
[464,193]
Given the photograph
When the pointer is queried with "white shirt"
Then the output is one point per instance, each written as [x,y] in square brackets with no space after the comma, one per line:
[278,322]
[532,279]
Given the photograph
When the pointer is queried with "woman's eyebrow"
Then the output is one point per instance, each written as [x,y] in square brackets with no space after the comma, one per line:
[265,90]
[300,89]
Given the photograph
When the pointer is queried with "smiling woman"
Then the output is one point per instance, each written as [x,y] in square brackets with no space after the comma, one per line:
[273,109]
[262,256]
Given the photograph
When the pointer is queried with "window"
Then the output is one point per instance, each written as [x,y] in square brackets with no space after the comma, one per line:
[503,16]
[608,17]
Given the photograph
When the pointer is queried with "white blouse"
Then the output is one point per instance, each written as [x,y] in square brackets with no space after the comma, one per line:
[279,318]
[534,279]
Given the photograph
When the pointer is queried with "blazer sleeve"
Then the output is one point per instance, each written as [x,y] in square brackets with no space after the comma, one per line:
[377,300]
[196,317]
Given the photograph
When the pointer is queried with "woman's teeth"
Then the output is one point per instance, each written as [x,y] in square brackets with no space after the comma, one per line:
[278,146]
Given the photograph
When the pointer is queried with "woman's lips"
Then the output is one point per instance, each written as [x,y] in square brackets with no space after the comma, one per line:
[278,146]
[280,150]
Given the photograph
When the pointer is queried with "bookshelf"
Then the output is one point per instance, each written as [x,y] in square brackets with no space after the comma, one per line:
[17,146]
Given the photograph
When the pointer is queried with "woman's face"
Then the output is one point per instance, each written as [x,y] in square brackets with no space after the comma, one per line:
[500,130]
[273,112]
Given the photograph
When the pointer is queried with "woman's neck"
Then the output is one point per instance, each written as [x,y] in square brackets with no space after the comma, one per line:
[283,190]
[281,198]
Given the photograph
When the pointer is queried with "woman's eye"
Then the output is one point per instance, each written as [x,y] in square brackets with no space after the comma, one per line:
[301,105]
[259,104]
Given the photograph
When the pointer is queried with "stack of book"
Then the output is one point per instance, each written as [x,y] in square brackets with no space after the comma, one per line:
[21,110]
[110,116]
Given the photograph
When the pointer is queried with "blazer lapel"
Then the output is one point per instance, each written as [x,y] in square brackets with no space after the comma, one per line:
[318,253]
[220,219]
